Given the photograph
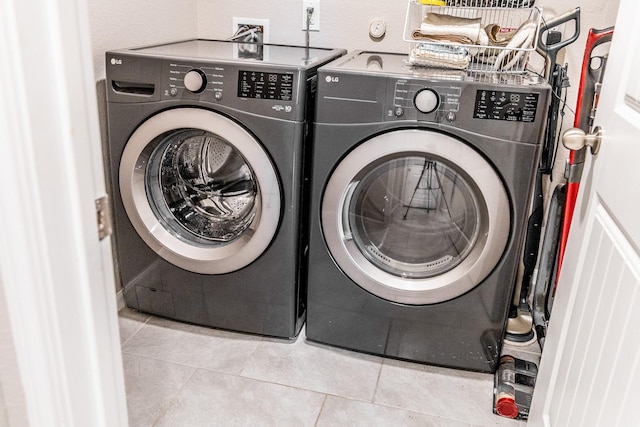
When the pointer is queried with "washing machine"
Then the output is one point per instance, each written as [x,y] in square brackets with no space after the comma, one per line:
[208,166]
[422,180]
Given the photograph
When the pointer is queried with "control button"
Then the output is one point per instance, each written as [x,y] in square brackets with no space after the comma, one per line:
[173,91]
[217,96]
[195,81]
[398,112]
[451,116]
[426,100]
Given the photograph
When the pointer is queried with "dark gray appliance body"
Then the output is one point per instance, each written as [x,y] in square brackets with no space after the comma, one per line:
[226,124]
[477,138]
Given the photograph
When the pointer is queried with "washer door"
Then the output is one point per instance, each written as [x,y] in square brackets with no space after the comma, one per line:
[200,190]
[415,216]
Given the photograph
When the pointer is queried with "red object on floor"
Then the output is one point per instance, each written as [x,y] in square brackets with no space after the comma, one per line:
[506,407]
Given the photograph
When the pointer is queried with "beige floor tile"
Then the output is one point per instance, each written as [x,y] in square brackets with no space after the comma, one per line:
[343,412]
[448,393]
[278,382]
[216,399]
[314,367]
[151,385]
[191,345]
[130,322]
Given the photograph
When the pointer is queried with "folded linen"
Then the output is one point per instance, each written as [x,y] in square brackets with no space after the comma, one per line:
[440,56]
[447,38]
[452,28]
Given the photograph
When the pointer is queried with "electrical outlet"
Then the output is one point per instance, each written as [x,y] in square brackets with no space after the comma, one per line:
[314,23]
[261,35]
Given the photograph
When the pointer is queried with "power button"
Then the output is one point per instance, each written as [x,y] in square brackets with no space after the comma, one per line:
[399,112]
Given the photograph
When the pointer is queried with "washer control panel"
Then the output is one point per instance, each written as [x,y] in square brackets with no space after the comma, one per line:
[265,85]
[215,81]
[271,91]
[205,80]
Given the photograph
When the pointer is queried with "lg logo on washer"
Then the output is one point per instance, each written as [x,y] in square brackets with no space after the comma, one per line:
[332,79]
[115,61]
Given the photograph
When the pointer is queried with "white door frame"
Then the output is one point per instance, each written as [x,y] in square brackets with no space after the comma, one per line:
[57,276]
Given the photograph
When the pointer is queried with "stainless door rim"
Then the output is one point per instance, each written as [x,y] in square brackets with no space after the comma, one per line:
[215,258]
[482,259]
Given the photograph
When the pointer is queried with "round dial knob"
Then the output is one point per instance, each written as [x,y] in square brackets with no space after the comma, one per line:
[195,81]
[426,100]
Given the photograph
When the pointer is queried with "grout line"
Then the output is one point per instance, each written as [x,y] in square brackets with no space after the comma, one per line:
[375,390]
[324,402]
[136,331]
[172,401]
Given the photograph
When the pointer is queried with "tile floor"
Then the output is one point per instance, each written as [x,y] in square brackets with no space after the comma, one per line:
[184,375]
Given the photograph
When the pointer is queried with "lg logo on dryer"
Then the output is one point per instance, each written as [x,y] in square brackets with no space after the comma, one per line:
[115,61]
[332,79]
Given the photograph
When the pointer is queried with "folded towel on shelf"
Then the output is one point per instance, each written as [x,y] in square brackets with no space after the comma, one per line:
[445,38]
[440,56]
[454,29]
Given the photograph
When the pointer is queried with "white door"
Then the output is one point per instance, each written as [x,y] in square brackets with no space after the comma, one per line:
[590,368]
[55,273]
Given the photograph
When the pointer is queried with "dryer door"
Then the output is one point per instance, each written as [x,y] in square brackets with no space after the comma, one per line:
[415,216]
[200,190]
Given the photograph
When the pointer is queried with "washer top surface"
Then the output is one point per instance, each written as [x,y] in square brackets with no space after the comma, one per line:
[397,64]
[222,50]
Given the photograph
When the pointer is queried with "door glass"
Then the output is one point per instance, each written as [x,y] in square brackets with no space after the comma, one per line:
[200,187]
[414,216]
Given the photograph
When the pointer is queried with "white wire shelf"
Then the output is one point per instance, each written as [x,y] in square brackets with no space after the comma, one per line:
[493,36]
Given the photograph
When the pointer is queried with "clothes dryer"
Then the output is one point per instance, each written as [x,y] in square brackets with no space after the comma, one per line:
[208,167]
[421,186]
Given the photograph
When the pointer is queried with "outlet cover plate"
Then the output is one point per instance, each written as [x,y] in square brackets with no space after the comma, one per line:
[314,25]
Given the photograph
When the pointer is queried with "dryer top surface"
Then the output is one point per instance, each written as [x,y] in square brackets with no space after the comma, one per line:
[222,50]
[397,64]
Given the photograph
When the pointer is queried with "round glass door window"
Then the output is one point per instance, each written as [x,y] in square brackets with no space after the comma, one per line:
[200,187]
[200,190]
[415,216]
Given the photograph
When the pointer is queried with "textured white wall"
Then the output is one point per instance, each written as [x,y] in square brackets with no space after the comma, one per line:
[342,23]
[118,24]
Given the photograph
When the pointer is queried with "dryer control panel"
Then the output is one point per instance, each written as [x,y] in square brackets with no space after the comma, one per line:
[413,99]
[505,105]
[491,108]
